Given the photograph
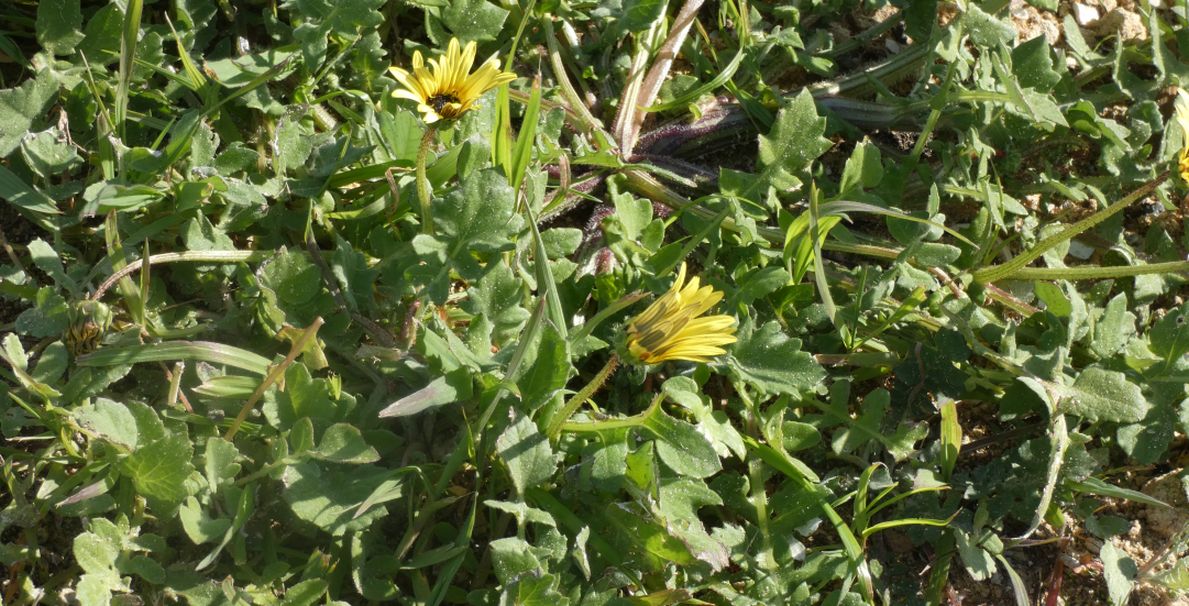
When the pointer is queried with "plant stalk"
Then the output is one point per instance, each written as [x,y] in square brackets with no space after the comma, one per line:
[274,375]
[571,406]
[424,195]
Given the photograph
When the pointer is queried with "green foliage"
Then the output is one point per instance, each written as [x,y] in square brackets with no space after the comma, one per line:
[239,367]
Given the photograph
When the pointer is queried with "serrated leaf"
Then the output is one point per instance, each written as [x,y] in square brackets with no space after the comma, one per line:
[523,512]
[1114,328]
[49,316]
[680,446]
[344,443]
[1104,395]
[771,361]
[159,471]
[512,557]
[474,19]
[95,553]
[498,296]
[48,154]
[19,107]
[868,426]
[305,593]
[294,277]
[527,453]
[111,420]
[788,149]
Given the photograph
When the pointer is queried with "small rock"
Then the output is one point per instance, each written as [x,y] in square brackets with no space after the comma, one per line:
[1084,14]
[1126,24]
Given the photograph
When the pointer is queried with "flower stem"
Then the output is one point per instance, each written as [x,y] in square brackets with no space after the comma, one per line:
[571,406]
[423,192]
[274,375]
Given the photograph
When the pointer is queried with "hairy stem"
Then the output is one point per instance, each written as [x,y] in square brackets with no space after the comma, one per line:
[571,406]
[424,195]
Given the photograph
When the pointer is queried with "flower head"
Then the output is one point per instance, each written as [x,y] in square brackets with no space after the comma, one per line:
[1181,113]
[447,89]
[670,328]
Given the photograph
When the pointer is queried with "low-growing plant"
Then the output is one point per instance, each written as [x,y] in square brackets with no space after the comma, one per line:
[618,302]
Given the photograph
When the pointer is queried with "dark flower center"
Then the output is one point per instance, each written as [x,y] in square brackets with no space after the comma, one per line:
[437,102]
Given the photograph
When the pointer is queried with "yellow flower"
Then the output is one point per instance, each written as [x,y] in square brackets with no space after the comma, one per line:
[1182,115]
[670,328]
[446,89]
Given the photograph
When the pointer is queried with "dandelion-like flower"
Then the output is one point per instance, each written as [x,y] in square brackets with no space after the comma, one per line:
[671,329]
[446,89]
[1181,113]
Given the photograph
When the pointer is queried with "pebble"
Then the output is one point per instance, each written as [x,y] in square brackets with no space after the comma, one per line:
[1084,14]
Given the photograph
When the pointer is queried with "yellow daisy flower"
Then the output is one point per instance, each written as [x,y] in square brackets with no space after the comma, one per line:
[670,328]
[446,89]
[1181,113]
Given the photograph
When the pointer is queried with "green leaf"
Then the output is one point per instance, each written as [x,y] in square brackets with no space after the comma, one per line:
[1099,487]
[512,557]
[864,169]
[344,443]
[451,387]
[19,107]
[95,588]
[198,525]
[1114,328]
[481,214]
[787,150]
[1119,570]
[474,20]
[524,513]
[682,448]
[1170,336]
[527,453]
[95,553]
[498,296]
[546,374]
[713,424]
[58,25]
[305,593]
[769,360]
[50,316]
[328,495]
[306,396]
[48,153]
[638,15]
[159,471]
[214,353]
[978,561]
[1104,395]
[1032,64]
[14,190]
[348,19]
[531,590]
[221,462]
[111,420]
[145,568]
[645,537]
[869,426]
[294,277]
[985,30]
